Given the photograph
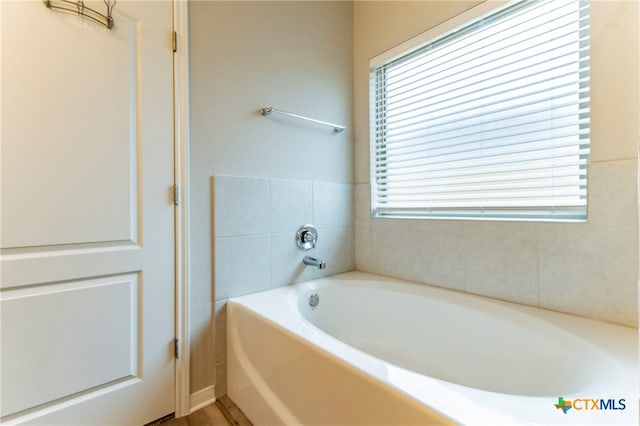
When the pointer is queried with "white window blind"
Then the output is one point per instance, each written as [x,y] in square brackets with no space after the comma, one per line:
[489,120]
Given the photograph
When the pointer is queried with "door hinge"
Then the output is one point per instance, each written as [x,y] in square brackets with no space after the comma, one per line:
[176,195]
[176,348]
[174,41]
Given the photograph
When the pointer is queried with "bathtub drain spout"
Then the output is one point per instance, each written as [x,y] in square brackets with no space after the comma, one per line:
[312,261]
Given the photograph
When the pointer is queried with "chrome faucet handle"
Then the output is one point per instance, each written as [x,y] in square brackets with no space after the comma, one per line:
[307,237]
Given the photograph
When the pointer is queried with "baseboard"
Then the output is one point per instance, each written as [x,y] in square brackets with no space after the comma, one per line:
[202,398]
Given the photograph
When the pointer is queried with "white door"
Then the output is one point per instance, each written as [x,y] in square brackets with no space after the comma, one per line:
[87,248]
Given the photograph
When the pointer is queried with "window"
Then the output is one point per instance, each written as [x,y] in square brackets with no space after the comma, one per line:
[488,120]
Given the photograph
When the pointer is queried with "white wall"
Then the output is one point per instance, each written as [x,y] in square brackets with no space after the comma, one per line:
[245,56]
[589,269]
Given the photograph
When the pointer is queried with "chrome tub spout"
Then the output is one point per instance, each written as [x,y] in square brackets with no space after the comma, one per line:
[312,261]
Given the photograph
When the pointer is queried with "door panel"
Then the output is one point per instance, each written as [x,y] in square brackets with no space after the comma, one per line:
[80,355]
[87,273]
[62,138]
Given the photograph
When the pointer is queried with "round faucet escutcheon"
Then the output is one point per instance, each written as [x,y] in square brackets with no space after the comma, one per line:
[307,237]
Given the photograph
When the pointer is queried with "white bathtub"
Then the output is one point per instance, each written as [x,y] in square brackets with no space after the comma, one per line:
[382,351]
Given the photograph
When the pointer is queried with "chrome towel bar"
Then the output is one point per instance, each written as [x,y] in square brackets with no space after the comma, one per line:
[267,111]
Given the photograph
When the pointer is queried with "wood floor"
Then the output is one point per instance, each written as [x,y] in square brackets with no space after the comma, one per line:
[221,413]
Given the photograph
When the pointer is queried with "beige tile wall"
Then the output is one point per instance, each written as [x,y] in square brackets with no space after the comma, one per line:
[254,226]
[589,269]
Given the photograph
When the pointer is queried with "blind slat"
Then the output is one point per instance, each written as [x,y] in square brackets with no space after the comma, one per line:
[536,175]
[542,158]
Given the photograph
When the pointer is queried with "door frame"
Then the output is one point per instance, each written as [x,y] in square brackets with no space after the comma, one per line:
[181,176]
